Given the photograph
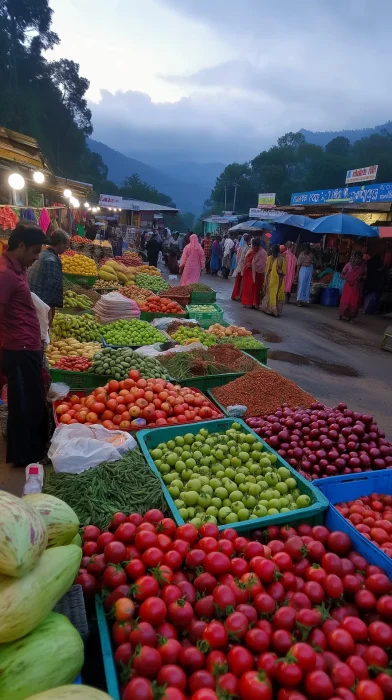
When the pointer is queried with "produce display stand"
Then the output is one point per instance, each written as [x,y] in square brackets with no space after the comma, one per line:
[148,439]
[87,280]
[260,354]
[135,347]
[152,426]
[107,651]
[76,380]
[150,315]
[181,300]
[203,297]
[348,487]
[206,318]
[210,381]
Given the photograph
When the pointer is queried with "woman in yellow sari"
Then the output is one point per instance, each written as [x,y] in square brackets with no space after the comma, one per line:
[273,300]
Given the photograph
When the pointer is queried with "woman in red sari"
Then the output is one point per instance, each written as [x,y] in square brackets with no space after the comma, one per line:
[354,274]
[253,275]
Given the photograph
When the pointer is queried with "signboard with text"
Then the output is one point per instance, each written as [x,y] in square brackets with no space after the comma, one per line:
[110,200]
[361,174]
[266,199]
[380,192]
[265,213]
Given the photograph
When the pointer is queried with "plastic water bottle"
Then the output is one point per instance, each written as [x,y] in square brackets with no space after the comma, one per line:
[34,479]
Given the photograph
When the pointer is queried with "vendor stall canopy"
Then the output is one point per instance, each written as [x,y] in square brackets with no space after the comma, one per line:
[251,225]
[342,224]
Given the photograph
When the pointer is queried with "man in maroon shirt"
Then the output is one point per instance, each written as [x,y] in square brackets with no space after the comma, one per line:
[21,348]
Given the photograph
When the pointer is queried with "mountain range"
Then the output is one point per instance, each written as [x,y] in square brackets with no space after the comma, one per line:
[321,138]
[189,184]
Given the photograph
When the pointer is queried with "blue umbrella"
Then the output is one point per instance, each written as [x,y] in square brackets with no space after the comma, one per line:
[298,220]
[342,224]
[253,224]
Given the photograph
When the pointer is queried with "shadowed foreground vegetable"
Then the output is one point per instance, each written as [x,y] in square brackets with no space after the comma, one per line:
[128,485]
[292,614]
[23,536]
[61,522]
[26,601]
[52,654]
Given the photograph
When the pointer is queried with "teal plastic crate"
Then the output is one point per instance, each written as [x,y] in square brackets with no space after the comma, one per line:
[107,651]
[206,318]
[348,487]
[148,439]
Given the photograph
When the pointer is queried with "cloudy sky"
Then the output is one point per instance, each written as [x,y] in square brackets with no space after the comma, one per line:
[218,80]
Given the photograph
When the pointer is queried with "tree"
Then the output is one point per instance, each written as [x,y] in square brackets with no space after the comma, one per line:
[133,187]
[65,74]
[340,146]
[236,178]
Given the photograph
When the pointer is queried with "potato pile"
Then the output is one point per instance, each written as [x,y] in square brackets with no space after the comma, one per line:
[229,331]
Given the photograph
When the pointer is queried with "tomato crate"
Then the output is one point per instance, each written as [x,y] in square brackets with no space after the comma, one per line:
[206,319]
[86,280]
[152,426]
[148,439]
[107,651]
[76,380]
[203,297]
[348,487]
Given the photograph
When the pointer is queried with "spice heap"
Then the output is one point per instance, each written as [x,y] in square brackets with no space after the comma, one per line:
[200,363]
[262,391]
[176,291]
[95,495]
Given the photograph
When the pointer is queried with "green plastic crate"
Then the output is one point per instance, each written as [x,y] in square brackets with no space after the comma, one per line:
[206,319]
[77,380]
[107,651]
[150,315]
[203,297]
[148,439]
[87,280]
[210,381]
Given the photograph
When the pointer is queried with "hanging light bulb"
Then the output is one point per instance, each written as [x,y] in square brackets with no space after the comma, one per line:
[110,208]
[74,202]
[86,204]
[16,181]
[38,177]
[67,193]
[98,208]
[119,210]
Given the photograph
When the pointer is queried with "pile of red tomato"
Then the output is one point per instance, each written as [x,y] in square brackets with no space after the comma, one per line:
[163,305]
[207,615]
[372,517]
[136,402]
[73,364]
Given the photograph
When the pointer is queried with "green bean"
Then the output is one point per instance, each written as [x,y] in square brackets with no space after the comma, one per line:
[128,485]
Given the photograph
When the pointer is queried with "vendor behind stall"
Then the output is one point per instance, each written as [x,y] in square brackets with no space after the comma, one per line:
[45,276]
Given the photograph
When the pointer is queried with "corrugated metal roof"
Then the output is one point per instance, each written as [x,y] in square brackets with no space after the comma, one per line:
[138,204]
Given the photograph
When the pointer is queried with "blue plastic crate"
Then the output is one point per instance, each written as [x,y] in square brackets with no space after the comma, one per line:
[107,651]
[348,487]
[78,680]
[148,439]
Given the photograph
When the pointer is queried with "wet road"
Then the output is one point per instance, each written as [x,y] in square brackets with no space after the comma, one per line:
[333,360]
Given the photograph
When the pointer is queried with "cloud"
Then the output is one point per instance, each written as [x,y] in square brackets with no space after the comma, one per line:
[291,65]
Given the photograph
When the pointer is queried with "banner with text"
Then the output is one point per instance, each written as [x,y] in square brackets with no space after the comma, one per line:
[361,174]
[266,199]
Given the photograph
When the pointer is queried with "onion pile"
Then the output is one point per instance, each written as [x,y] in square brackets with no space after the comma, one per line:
[321,441]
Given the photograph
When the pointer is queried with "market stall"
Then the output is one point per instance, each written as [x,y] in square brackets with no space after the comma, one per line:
[189,495]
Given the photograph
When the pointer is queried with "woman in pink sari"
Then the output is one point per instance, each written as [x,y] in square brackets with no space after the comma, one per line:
[192,261]
[354,274]
[291,264]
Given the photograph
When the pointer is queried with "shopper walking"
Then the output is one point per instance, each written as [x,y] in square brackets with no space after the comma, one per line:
[273,299]
[228,248]
[253,275]
[354,274]
[153,248]
[216,256]
[241,255]
[192,262]
[173,252]
[305,265]
[21,348]
[207,247]
[291,265]
[45,276]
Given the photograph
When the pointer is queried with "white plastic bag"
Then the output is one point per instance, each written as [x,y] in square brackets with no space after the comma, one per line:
[42,310]
[75,448]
